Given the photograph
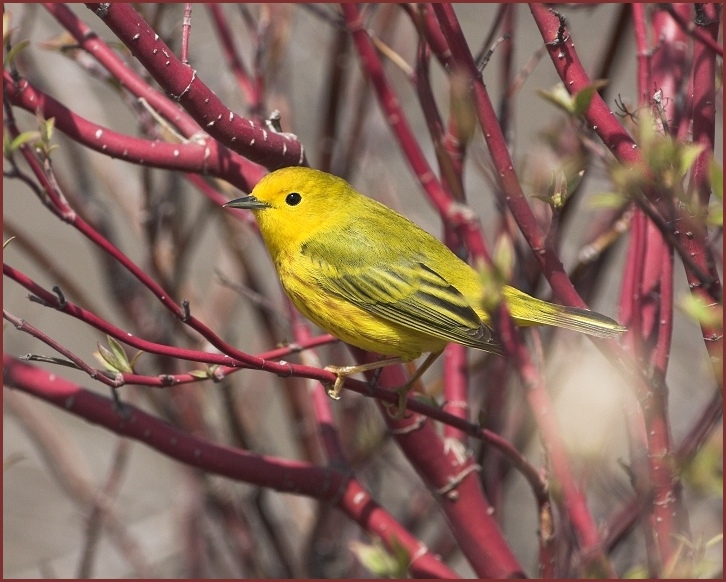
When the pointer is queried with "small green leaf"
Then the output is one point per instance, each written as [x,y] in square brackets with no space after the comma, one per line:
[200,374]
[462,107]
[46,129]
[134,359]
[14,52]
[608,200]
[102,356]
[116,347]
[574,105]
[573,181]
[706,315]
[715,215]
[583,98]
[374,558]
[378,560]
[715,173]
[637,573]
[688,154]
[113,360]
[559,97]
[23,138]
[503,257]
[704,472]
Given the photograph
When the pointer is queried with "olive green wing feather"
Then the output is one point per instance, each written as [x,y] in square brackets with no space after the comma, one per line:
[402,290]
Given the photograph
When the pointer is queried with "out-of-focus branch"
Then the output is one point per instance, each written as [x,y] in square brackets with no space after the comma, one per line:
[24,326]
[186,32]
[695,29]
[120,71]
[562,53]
[247,85]
[450,472]
[69,467]
[264,471]
[460,217]
[547,257]
[692,232]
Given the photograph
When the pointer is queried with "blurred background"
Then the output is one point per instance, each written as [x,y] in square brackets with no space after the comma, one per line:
[194,248]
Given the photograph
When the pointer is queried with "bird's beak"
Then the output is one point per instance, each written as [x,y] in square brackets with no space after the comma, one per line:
[247,202]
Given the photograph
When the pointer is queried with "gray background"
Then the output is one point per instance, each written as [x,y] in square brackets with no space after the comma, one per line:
[43,527]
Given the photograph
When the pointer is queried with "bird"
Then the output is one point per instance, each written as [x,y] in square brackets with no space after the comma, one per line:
[375,280]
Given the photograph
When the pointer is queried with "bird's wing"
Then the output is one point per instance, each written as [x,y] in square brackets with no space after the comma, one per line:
[403,291]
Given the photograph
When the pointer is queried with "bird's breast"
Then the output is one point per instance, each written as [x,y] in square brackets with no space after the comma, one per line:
[302,281]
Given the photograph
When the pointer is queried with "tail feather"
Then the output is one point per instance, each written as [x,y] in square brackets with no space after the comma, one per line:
[530,311]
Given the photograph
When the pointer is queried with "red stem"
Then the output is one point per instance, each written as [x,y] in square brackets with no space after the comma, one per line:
[324,419]
[323,483]
[574,500]
[284,369]
[453,213]
[691,231]
[263,146]
[450,154]
[695,30]
[669,66]
[204,158]
[120,70]
[456,387]
[450,472]
[22,325]
[644,52]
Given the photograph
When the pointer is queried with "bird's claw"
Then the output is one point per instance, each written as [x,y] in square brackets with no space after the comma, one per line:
[334,391]
[402,392]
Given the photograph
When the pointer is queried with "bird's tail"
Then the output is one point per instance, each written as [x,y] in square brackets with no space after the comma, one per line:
[528,310]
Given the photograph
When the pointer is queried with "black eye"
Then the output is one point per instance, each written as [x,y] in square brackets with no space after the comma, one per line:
[293,199]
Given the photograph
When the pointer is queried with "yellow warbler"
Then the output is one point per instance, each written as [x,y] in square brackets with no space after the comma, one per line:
[374,279]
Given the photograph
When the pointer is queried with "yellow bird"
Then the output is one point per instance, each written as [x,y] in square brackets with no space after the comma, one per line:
[375,280]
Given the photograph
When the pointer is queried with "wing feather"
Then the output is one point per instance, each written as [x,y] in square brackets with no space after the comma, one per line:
[403,291]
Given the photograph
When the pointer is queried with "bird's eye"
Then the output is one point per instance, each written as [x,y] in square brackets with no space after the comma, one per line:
[293,199]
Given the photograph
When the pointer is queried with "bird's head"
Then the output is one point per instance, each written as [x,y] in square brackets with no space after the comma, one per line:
[294,203]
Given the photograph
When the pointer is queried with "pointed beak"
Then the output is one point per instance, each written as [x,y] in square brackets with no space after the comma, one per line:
[248,203]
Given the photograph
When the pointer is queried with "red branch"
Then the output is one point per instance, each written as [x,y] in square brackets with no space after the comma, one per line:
[450,212]
[203,158]
[120,70]
[186,32]
[264,146]
[575,502]
[299,478]
[560,47]
[262,362]
[691,231]
[705,37]
[449,471]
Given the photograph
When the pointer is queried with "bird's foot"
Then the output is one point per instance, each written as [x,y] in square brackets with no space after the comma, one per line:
[342,372]
[400,407]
